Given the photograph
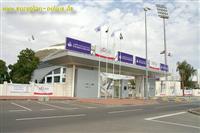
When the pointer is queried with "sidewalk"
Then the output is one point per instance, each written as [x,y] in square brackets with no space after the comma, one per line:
[119,101]
[195,111]
[178,99]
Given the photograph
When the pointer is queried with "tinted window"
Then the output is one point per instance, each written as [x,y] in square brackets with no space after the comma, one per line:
[49,79]
[64,70]
[57,71]
[57,79]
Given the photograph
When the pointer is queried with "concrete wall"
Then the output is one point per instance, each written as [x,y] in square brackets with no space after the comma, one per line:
[139,82]
[69,81]
[1,89]
[169,88]
[8,89]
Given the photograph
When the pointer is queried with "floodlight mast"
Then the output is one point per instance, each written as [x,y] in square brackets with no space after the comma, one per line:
[146,53]
[163,13]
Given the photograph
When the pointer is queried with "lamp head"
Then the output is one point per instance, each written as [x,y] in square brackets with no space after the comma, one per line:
[147,8]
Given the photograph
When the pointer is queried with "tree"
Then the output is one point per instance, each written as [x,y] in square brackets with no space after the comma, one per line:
[22,70]
[186,71]
[3,72]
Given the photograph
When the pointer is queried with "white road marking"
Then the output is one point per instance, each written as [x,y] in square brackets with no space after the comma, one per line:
[16,110]
[49,117]
[170,123]
[83,106]
[121,111]
[167,106]
[58,107]
[46,109]
[91,107]
[162,116]
[21,106]
[177,124]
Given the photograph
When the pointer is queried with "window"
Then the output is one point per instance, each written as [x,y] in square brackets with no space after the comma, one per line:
[50,73]
[56,79]
[56,76]
[49,79]
[63,80]
[57,71]
[64,70]
[42,81]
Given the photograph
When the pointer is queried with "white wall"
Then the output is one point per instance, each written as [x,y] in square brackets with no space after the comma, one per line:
[69,81]
[1,89]
[196,92]
[169,88]
[8,89]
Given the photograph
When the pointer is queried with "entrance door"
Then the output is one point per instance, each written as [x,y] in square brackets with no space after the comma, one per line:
[86,83]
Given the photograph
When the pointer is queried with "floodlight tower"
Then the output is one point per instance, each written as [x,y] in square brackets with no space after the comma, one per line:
[163,13]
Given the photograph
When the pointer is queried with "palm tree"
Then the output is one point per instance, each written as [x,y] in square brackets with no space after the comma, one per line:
[186,71]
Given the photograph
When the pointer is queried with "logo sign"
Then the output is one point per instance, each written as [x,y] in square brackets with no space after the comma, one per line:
[78,46]
[124,57]
[140,61]
[163,67]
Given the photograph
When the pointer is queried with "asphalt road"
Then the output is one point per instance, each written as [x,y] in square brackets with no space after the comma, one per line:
[72,117]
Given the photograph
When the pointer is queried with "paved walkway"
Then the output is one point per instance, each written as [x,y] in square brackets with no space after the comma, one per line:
[118,101]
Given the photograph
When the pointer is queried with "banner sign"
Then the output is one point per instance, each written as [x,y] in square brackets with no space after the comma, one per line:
[18,88]
[163,67]
[154,65]
[140,61]
[188,92]
[104,53]
[78,46]
[124,57]
[43,89]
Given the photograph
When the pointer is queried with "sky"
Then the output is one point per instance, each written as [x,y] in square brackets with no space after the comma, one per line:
[182,27]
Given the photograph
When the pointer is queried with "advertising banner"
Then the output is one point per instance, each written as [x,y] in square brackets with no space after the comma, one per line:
[188,92]
[154,65]
[78,46]
[104,53]
[43,89]
[163,67]
[124,57]
[140,61]
[18,88]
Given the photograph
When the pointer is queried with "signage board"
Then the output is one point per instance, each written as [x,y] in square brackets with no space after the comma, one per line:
[124,57]
[140,61]
[18,88]
[78,46]
[188,92]
[163,67]
[104,53]
[43,89]
[154,65]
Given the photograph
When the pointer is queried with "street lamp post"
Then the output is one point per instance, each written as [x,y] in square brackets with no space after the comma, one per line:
[163,13]
[146,52]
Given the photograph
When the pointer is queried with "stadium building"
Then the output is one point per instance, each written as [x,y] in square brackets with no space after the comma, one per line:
[88,71]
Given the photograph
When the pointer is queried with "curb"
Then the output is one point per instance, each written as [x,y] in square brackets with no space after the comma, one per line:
[193,111]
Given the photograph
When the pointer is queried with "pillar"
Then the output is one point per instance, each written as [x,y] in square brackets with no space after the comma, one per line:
[139,84]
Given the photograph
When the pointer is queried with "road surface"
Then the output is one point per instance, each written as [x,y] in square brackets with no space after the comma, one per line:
[72,117]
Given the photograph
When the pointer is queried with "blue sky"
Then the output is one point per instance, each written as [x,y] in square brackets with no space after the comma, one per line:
[182,28]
